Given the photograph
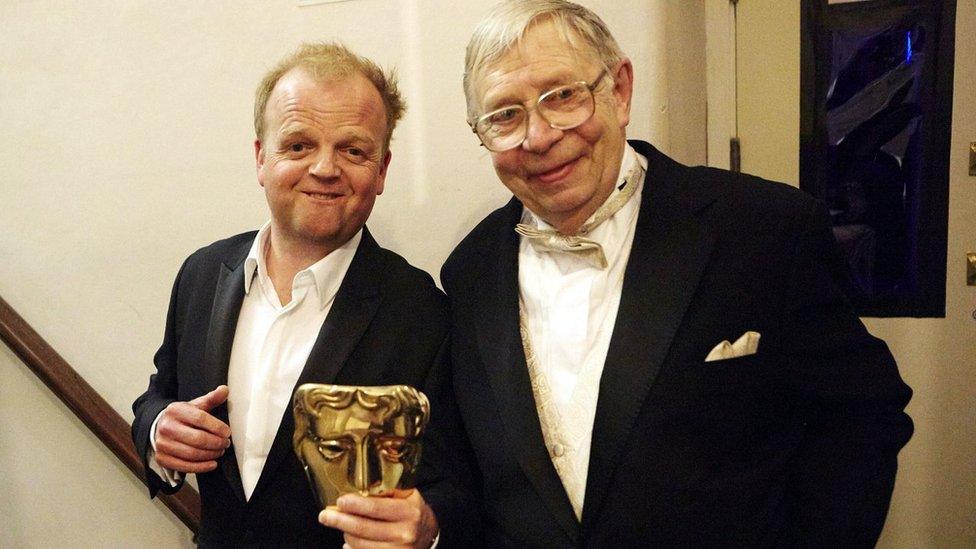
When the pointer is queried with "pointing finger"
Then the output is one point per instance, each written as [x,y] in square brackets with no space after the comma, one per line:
[186,414]
[212,399]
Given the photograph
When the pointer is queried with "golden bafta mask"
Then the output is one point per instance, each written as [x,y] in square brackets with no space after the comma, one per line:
[361,440]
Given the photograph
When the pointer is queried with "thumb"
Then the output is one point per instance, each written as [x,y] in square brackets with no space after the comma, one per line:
[212,399]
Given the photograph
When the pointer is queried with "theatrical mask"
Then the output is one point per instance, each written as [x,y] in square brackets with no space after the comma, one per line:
[362,440]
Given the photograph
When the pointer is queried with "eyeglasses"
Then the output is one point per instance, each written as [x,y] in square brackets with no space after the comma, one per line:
[563,108]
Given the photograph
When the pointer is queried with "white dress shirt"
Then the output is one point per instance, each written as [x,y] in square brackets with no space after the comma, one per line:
[271,346]
[569,310]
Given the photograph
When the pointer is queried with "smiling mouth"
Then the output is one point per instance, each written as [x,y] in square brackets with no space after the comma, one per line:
[322,196]
[557,173]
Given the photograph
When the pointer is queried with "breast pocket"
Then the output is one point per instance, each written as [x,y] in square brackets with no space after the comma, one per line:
[728,375]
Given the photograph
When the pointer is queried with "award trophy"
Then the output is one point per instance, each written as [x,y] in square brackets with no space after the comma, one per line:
[361,440]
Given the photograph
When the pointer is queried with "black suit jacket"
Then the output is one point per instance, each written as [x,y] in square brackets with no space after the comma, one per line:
[387,325]
[793,446]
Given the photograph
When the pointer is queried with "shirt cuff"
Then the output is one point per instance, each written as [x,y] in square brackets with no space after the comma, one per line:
[437,539]
[171,477]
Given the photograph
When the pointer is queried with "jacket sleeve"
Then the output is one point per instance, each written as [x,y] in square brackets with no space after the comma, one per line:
[853,400]
[162,390]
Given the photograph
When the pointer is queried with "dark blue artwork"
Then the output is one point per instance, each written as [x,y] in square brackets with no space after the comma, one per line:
[873,132]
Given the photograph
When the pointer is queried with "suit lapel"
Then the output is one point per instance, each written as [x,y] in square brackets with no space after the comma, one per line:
[355,305]
[500,345]
[671,247]
[228,296]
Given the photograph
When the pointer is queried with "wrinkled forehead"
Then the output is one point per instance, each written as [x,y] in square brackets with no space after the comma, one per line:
[357,419]
[546,52]
[301,83]
[328,92]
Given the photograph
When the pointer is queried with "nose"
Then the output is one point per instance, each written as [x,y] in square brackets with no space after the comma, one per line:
[324,165]
[539,135]
[361,480]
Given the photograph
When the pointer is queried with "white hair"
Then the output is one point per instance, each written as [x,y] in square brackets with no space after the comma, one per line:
[506,24]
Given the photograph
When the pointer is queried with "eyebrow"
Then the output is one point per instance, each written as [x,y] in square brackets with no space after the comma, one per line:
[341,136]
[556,81]
[291,132]
[355,137]
[544,85]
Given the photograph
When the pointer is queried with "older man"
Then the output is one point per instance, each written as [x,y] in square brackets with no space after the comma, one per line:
[310,297]
[647,354]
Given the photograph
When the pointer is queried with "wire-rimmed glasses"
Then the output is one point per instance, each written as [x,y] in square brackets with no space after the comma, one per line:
[563,108]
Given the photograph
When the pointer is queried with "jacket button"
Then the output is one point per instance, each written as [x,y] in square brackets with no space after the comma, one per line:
[558,450]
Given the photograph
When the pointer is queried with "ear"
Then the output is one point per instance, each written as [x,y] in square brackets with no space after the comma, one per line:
[259,160]
[623,90]
[381,177]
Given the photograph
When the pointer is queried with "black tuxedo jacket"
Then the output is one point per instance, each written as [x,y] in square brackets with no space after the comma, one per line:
[793,446]
[388,325]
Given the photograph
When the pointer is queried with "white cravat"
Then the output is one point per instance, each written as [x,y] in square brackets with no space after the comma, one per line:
[271,346]
[569,308]
[578,244]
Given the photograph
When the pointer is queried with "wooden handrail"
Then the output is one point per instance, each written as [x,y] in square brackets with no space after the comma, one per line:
[88,405]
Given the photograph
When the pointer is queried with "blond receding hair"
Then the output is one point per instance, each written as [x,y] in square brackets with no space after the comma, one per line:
[506,25]
[331,60]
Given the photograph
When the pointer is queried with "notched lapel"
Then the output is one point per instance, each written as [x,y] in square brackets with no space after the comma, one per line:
[671,247]
[501,350]
[228,297]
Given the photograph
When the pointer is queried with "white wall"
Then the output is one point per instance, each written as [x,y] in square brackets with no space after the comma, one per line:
[127,144]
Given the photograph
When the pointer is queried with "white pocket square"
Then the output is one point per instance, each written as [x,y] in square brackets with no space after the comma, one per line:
[747,344]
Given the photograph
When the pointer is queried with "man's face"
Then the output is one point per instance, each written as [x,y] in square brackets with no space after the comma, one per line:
[321,161]
[561,175]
